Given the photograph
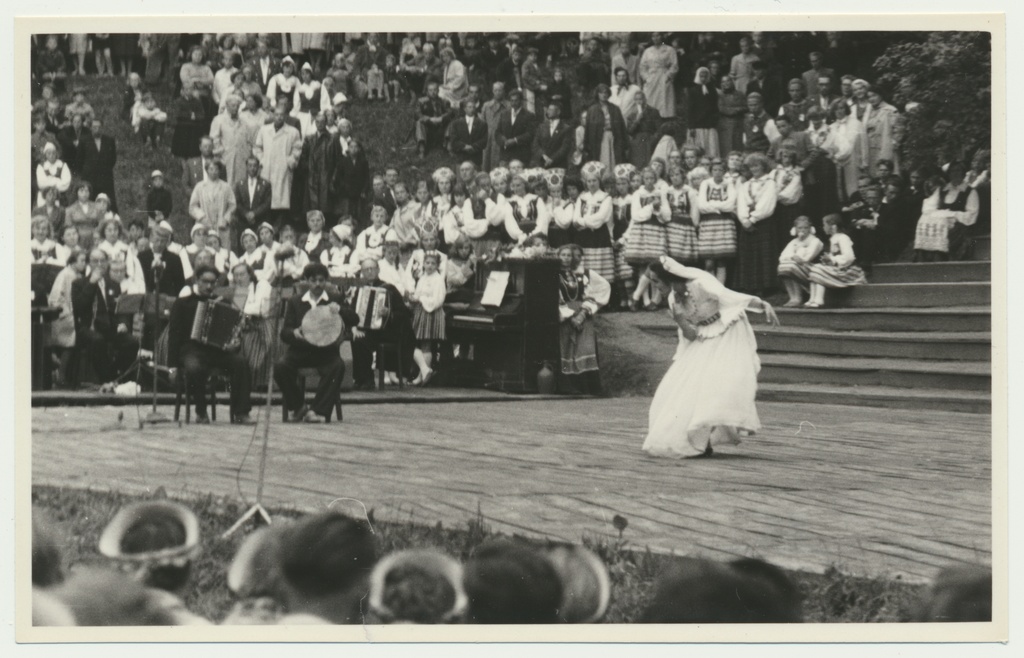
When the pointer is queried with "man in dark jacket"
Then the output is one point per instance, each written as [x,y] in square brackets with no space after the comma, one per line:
[397,328]
[300,353]
[553,140]
[469,134]
[317,164]
[101,334]
[99,155]
[432,121]
[196,360]
[515,131]
[252,199]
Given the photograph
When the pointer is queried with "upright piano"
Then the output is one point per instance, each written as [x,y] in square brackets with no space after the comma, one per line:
[503,347]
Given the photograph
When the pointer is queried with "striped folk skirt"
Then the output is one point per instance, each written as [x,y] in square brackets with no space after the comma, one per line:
[428,326]
[597,251]
[579,348]
[647,243]
[681,238]
[623,272]
[796,271]
[257,339]
[831,276]
[716,236]
[757,257]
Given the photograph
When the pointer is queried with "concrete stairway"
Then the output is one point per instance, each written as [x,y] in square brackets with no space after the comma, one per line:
[916,337]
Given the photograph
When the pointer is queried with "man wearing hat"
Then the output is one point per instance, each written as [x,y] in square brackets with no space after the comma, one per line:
[252,199]
[196,360]
[303,351]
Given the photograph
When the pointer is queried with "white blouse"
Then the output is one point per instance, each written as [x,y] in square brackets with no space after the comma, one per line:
[430,291]
[757,199]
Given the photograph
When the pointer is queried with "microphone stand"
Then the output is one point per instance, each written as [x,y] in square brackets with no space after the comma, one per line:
[154,417]
[257,511]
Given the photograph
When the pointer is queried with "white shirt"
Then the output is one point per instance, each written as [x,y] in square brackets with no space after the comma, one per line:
[554,127]
[252,188]
[343,141]
[469,124]
[265,67]
[307,298]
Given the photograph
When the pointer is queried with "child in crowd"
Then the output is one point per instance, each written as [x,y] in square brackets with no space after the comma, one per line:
[253,253]
[370,243]
[314,242]
[646,239]
[158,198]
[392,80]
[796,259]
[716,205]
[44,249]
[681,230]
[530,214]
[838,268]
[148,121]
[621,203]
[428,313]
[337,256]
[375,89]
[461,266]
[425,221]
[415,267]
[563,207]
[451,220]
[198,234]
[223,258]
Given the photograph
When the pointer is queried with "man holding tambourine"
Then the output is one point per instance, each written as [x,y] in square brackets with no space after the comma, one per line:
[196,347]
[313,327]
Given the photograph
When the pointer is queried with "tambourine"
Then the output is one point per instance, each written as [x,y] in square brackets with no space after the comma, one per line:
[427,562]
[322,326]
[117,539]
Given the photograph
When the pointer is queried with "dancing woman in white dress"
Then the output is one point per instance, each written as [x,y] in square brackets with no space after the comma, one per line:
[707,396]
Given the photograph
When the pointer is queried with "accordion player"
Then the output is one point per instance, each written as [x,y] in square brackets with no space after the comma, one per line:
[200,333]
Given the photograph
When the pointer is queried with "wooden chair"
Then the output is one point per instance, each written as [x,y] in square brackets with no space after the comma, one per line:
[213,382]
[303,374]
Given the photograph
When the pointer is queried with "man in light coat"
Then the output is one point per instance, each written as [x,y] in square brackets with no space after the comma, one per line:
[279,147]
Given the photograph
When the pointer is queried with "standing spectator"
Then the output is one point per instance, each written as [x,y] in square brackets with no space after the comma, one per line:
[109,344]
[213,205]
[308,100]
[222,79]
[158,199]
[279,147]
[469,134]
[196,168]
[254,116]
[264,64]
[432,120]
[740,67]
[658,68]
[51,66]
[840,55]
[83,215]
[252,198]
[317,163]
[818,70]
[798,106]
[351,183]
[626,56]
[79,47]
[491,115]
[826,95]
[510,70]
[759,130]
[193,125]
[161,53]
[516,128]
[232,141]
[604,137]
[881,127]
[821,193]
[560,92]
[533,81]
[642,124]
[99,155]
[124,47]
[852,156]
[702,116]
[158,256]
[74,138]
[196,73]
[732,107]
[51,173]
[592,68]
[623,92]
[454,86]
[757,252]
[789,138]
[553,140]
[771,95]
[592,221]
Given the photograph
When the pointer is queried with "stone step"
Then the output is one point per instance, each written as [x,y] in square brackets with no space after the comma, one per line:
[959,318]
[949,272]
[885,397]
[941,345]
[983,248]
[902,295]
[855,371]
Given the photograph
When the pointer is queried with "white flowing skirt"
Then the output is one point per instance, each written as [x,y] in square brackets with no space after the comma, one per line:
[707,395]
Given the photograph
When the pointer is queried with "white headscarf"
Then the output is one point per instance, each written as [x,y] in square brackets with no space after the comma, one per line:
[696,79]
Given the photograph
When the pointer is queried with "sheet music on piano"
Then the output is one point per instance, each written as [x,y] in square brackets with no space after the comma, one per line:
[494,293]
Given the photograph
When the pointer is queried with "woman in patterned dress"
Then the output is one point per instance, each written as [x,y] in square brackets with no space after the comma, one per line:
[253,298]
[658,68]
[582,292]
[716,205]
[592,223]
[838,268]
[681,231]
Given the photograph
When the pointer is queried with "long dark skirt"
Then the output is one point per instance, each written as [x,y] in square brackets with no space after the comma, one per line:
[757,257]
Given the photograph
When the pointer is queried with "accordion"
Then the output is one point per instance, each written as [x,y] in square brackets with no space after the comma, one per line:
[372,307]
[217,324]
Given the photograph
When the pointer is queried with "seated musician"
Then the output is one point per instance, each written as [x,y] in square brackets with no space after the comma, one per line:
[102,334]
[397,328]
[300,353]
[196,359]
[207,258]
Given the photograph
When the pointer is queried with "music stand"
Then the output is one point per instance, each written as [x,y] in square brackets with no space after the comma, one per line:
[154,417]
[256,510]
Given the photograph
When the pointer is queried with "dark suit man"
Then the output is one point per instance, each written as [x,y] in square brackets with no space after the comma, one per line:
[510,71]
[172,275]
[74,139]
[516,128]
[99,155]
[771,93]
[299,353]
[195,168]
[264,65]
[197,360]
[252,199]
[432,120]
[317,165]
[397,327]
[553,140]
[469,134]
[101,334]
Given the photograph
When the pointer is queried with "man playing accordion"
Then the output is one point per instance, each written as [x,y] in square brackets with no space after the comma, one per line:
[196,359]
[320,351]
[396,328]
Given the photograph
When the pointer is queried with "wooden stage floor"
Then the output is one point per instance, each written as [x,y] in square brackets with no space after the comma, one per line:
[871,491]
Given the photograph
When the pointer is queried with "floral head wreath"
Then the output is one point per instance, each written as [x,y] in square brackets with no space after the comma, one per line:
[533,175]
[443,174]
[555,177]
[592,169]
[625,170]
[499,176]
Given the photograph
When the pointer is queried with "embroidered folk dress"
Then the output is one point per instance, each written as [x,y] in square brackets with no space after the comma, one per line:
[582,289]
[707,396]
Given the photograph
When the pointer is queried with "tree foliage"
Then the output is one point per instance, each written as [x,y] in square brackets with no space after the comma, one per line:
[949,78]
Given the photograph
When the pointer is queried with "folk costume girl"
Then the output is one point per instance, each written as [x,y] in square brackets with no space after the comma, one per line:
[756,250]
[428,310]
[528,210]
[838,268]
[592,221]
[790,193]
[716,203]
[487,220]
[314,243]
[681,231]
[646,240]
[337,258]
[44,250]
[285,85]
[621,207]
[582,292]
[370,243]
[560,204]
[796,260]
[308,105]
[253,253]
[707,396]
[253,298]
